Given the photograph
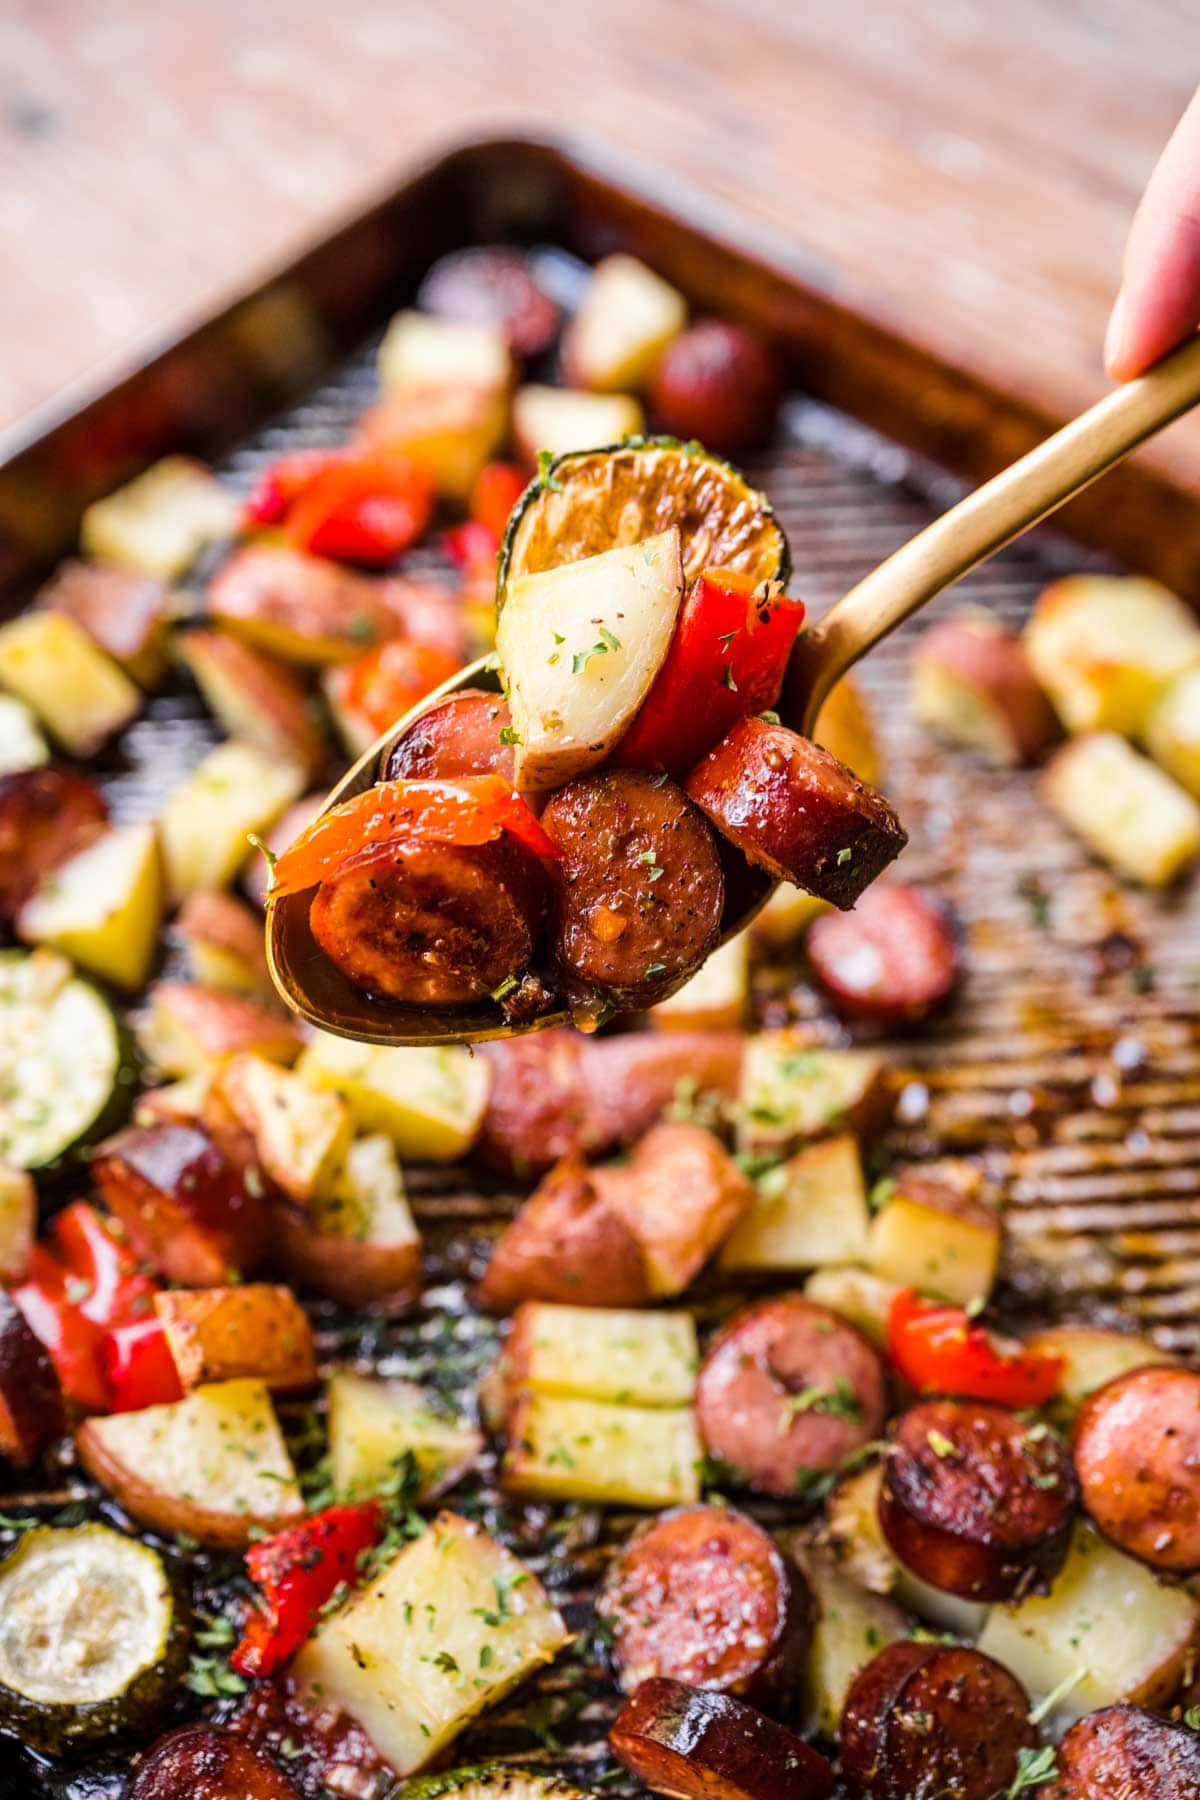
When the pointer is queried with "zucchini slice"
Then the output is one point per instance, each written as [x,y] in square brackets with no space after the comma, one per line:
[65,1062]
[490,1781]
[93,1637]
[589,501]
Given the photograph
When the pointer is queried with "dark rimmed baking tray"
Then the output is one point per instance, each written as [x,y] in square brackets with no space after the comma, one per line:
[1069,1067]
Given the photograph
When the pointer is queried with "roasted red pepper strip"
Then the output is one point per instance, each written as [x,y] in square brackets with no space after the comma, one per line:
[727,659]
[138,1366]
[380,687]
[939,1350]
[471,545]
[497,489]
[284,481]
[362,511]
[95,1258]
[72,1340]
[473,809]
[298,1570]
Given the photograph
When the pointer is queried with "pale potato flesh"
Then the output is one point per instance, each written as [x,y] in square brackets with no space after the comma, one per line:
[616,1455]
[207,820]
[851,1627]
[811,1212]
[1125,808]
[559,420]
[430,1102]
[159,521]
[933,1250]
[1104,647]
[302,1134]
[103,907]
[716,997]
[625,321]
[604,1353]
[791,1091]
[78,694]
[372,1423]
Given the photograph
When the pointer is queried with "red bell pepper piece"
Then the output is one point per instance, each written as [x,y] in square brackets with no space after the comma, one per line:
[365,510]
[726,660]
[72,1339]
[381,686]
[497,489]
[284,481]
[298,1570]
[471,545]
[138,1366]
[98,1261]
[472,809]
[939,1350]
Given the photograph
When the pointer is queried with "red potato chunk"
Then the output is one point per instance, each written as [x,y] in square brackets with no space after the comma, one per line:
[46,816]
[717,382]
[186,1206]
[31,1402]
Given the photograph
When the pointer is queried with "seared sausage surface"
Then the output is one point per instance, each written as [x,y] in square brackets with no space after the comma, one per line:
[46,815]
[703,1595]
[787,1391]
[432,925]
[458,736]
[796,811]
[1137,1456]
[976,1500]
[202,1762]
[1125,1753]
[701,1746]
[31,1402]
[568,1243]
[639,890]
[933,1722]
[891,960]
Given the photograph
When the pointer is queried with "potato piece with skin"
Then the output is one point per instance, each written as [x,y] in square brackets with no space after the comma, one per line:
[77,692]
[1104,647]
[680,1194]
[933,1237]
[851,1625]
[301,1133]
[853,1531]
[846,729]
[358,1243]
[207,820]
[227,1333]
[420,351]
[792,1091]
[864,1299]
[1173,730]
[560,420]
[1091,1356]
[579,648]
[1107,1619]
[602,1353]
[1128,812]
[570,1241]
[625,321]
[158,522]
[125,612]
[299,608]
[972,685]
[258,700]
[22,745]
[716,997]
[564,1448]
[103,906]
[18,1222]
[186,1207]
[404,1685]
[31,1401]
[451,429]
[224,942]
[810,1211]
[213,1465]
[186,1028]
[430,1102]
[372,1423]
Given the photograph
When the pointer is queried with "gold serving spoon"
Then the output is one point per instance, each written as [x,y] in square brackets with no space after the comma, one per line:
[979,525]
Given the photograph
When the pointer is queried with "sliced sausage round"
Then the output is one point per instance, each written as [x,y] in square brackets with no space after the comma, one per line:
[569,1243]
[639,888]
[977,1501]
[1137,1456]
[786,1392]
[432,925]
[925,1720]
[1126,1753]
[458,736]
[891,960]
[796,811]
[202,1762]
[703,1595]
[698,1745]
[492,285]
[46,815]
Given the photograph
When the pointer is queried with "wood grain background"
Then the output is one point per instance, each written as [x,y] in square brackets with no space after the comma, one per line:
[963,170]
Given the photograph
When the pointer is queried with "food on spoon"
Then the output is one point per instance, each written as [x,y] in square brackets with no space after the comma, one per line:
[932,1235]
[468,733]
[79,694]
[226,1333]
[1137,1457]
[626,318]
[694,1745]
[810,1212]
[158,522]
[492,285]
[1126,1750]
[1104,647]
[257,699]
[795,811]
[31,1402]
[126,613]
[103,906]
[206,1762]
[717,382]
[185,1205]
[972,685]
[1127,810]
[891,961]
[562,420]
[358,1244]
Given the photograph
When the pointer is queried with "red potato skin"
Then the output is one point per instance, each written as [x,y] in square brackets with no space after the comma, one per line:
[46,816]
[891,961]
[122,611]
[639,891]
[717,382]
[680,1195]
[384,1278]
[203,1762]
[491,285]
[286,724]
[305,594]
[926,1719]
[766,1356]
[31,1402]
[225,1023]
[702,1595]
[458,736]
[792,809]
[432,926]
[988,1519]
[1126,1753]
[427,613]
[695,1745]
[1137,1458]
[569,1244]
[992,660]
[186,1206]
[312,1745]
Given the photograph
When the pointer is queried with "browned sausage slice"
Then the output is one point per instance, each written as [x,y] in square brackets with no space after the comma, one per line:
[703,1595]
[202,1762]
[46,815]
[891,960]
[976,1500]
[1125,1753]
[1137,1456]
[926,1719]
[432,925]
[31,1402]
[786,1392]
[694,1745]
[796,811]
[568,1243]
[458,736]
[639,889]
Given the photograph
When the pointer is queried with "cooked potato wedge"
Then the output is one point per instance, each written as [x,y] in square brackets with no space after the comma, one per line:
[158,522]
[18,1222]
[255,873]
[372,1424]
[810,1212]
[175,1102]
[224,942]
[207,820]
[850,1627]
[786,916]
[302,1133]
[213,1465]
[358,1243]
[855,1535]
[932,1236]
[124,612]
[864,1299]
[103,906]
[560,419]
[846,729]
[972,685]
[680,1194]
[1128,812]
[254,1331]
[429,1102]
[1104,647]
[258,700]
[564,1448]
[792,1092]
[79,695]
[298,608]
[419,351]
[1173,730]
[625,321]
[1092,1356]
[602,1353]
[716,997]
[186,1207]
[451,429]
[186,1028]
[570,1240]
[412,1687]
[579,648]
[22,745]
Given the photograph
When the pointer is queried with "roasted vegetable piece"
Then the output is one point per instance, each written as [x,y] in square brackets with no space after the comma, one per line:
[792,809]
[187,1028]
[65,1063]
[103,906]
[301,1135]
[1104,647]
[941,1350]
[1137,1456]
[31,1402]
[492,285]
[562,420]
[972,684]
[420,352]
[792,1091]
[298,1570]
[368,695]
[1173,730]
[204,1762]
[138,1366]
[564,1448]
[429,1102]
[22,745]
[361,509]
[626,317]
[93,1637]
[207,820]
[602,1353]
[220,1333]
[1125,808]
[358,1243]
[850,1625]
[717,382]
[256,698]
[1126,1750]
[375,1425]
[18,1222]
[79,694]
[810,1212]
[46,816]
[693,1745]
[893,959]
[298,607]
[938,1236]
[680,1194]
[703,1595]
[158,522]
[123,611]
[224,942]
[1090,1356]
[185,1205]
[569,1242]
[927,1718]
[715,998]
[451,428]
[977,1501]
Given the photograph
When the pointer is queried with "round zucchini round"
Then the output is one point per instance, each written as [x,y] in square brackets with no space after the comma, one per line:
[93,1636]
[588,501]
[491,1781]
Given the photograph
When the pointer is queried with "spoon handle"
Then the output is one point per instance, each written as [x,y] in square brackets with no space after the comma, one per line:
[984,521]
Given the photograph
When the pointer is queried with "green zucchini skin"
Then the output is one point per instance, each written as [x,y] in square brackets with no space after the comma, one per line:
[487,1781]
[60,1728]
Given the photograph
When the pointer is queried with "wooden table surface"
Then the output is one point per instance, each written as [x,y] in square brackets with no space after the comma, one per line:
[963,170]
